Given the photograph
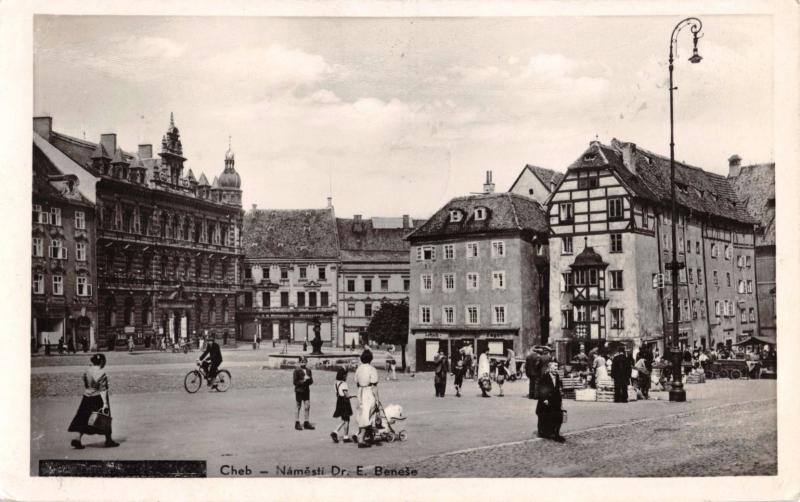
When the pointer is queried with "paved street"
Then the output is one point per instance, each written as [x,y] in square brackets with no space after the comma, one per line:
[726,427]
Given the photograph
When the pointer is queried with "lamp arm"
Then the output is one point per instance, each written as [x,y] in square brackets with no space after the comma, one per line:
[695,26]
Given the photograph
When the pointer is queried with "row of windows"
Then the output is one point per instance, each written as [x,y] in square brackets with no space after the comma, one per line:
[58,250]
[175,267]
[472,314]
[129,313]
[54,217]
[698,310]
[368,309]
[472,281]
[472,250]
[590,277]
[302,273]
[590,314]
[300,299]
[614,210]
[615,244]
[82,285]
[367,285]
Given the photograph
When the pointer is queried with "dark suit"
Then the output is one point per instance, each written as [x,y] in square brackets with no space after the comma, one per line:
[621,373]
[549,414]
[215,359]
[531,365]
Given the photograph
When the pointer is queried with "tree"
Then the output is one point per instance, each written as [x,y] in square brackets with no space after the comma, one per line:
[390,325]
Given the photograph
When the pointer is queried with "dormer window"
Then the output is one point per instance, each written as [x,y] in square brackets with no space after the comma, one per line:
[480,213]
[589,157]
[456,216]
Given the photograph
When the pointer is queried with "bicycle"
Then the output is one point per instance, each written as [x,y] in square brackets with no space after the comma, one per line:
[195,378]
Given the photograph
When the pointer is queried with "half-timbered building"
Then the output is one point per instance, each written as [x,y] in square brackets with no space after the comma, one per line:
[611,240]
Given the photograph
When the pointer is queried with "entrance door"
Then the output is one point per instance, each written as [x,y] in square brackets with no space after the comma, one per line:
[284,329]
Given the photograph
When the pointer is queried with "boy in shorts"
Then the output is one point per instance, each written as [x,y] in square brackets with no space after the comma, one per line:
[302,394]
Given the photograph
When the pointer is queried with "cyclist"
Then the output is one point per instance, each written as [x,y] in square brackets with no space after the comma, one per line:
[210,359]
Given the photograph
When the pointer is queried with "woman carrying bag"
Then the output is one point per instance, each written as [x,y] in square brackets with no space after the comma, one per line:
[93,415]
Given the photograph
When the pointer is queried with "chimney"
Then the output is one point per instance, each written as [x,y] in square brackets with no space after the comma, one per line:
[488,187]
[109,142]
[43,126]
[628,155]
[357,217]
[255,206]
[406,222]
[358,226]
[330,202]
[145,151]
[552,185]
[734,166]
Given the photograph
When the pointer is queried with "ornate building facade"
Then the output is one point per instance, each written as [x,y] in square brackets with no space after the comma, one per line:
[168,244]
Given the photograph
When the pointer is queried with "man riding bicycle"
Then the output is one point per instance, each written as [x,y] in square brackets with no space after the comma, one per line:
[210,359]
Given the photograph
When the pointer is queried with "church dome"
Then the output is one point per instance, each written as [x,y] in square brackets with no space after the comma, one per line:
[230,179]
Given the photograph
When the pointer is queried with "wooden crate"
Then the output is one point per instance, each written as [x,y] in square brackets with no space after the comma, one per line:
[585,395]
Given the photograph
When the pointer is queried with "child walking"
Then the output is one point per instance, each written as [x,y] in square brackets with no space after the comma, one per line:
[501,376]
[343,409]
[458,373]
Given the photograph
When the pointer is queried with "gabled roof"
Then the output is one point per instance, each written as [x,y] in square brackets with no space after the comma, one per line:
[697,190]
[202,181]
[755,186]
[63,164]
[290,233]
[373,239]
[45,167]
[506,212]
[546,176]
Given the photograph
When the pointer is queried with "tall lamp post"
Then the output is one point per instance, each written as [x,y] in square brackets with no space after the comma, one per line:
[677,393]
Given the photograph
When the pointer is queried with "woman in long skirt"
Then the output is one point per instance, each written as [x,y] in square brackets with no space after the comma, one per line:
[95,398]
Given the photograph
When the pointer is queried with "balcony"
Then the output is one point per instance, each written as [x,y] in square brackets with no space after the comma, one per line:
[157,240]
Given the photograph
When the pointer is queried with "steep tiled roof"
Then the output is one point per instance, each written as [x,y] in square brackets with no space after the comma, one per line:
[373,239]
[506,212]
[755,186]
[697,190]
[546,176]
[289,233]
[43,168]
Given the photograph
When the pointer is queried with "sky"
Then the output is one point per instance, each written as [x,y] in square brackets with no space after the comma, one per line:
[396,116]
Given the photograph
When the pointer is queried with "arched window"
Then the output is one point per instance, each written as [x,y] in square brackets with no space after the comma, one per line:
[212,312]
[164,223]
[129,312]
[225,311]
[212,270]
[197,232]
[164,262]
[147,265]
[198,268]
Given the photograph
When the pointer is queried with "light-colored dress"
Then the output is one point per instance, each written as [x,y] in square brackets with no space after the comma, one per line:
[483,365]
[366,379]
[600,370]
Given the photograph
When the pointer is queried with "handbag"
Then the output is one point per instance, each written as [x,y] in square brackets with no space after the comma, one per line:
[100,421]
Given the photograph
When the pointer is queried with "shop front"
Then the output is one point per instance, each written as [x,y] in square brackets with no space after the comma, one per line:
[430,342]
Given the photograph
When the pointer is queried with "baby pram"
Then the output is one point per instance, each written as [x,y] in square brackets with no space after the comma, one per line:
[382,420]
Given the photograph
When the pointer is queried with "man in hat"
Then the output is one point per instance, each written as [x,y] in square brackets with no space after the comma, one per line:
[302,393]
[548,407]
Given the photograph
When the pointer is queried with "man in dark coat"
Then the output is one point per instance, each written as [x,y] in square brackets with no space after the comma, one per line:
[440,373]
[621,373]
[548,407]
[211,358]
[531,364]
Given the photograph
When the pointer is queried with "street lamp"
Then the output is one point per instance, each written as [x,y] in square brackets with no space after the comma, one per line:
[677,394]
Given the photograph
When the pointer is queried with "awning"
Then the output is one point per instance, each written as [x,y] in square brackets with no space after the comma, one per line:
[758,340]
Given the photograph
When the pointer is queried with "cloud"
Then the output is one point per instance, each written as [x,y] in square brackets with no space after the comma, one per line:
[274,66]
[131,58]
